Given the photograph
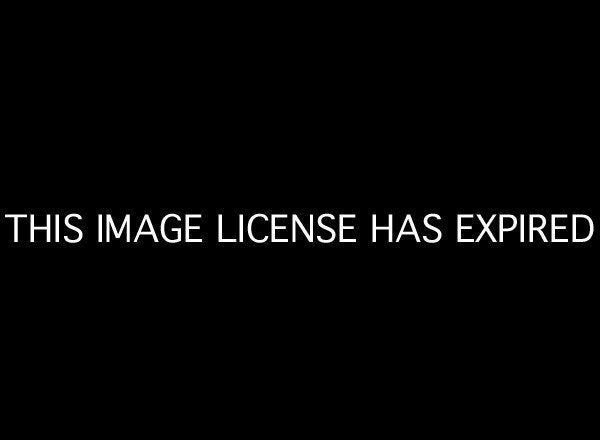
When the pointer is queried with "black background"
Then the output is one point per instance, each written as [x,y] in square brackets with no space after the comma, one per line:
[386,112]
